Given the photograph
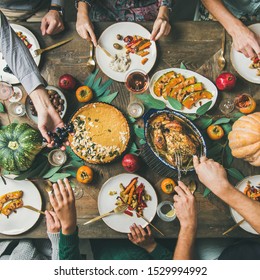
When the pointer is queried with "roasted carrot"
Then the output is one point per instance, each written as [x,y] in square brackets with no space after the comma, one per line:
[130,197]
[143,53]
[131,184]
[144,46]
[143,61]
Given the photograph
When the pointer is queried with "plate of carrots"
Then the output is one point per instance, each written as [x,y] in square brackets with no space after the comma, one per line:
[130,39]
[130,189]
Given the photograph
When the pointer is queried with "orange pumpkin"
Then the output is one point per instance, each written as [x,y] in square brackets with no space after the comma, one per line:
[244,139]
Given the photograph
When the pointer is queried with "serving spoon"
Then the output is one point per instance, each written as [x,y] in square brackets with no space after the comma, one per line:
[221,58]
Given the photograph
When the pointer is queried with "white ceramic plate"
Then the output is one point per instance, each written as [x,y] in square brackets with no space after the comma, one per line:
[242,63]
[10,78]
[208,85]
[255,181]
[23,219]
[106,203]
[35,118]
[108,38]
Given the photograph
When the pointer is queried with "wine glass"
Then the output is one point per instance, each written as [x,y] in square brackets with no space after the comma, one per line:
[6,91]
[137,81]
[226,106]
[77,190]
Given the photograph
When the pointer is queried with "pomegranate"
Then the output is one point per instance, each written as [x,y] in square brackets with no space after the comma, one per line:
[226,81]
[67,82]
[131,163]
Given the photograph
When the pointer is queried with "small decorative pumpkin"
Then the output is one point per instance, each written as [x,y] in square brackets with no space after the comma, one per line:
[244,139]
[19,144]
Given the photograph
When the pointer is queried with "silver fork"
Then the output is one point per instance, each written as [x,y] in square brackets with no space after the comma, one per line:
[178,162]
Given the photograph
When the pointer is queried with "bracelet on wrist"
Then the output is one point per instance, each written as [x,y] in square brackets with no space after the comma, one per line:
[88,2]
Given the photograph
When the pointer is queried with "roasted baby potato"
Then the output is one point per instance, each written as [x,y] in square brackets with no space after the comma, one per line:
[12,206]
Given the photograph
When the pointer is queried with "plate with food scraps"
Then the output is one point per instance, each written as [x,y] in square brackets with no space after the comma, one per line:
[31,43]
[250,186]
[244,66]
[191,89]
[21,219]
[57,99]
[122,38]
[108,199]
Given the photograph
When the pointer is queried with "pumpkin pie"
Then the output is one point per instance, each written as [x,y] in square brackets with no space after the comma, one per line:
[101,133]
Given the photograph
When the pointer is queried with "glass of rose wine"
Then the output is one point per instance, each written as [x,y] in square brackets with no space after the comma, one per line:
[6,91]
[137,81]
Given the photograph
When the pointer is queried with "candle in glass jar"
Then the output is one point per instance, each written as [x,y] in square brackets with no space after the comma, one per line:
[135,109]
[57,157]
[16,109]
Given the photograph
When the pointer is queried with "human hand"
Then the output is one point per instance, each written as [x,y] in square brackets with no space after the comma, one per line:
[211,174]
[185,207]
[48,118]
[52,23]
[52,222]
[142,238]
[85,28]
[63,202]
[161,27]
[246,41]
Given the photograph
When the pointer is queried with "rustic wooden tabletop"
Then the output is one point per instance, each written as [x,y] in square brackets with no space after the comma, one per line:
[195,44]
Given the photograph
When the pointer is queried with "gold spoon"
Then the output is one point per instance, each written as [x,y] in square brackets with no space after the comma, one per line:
[221,59]
[91,62]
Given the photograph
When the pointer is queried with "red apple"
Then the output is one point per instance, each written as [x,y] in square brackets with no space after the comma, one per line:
[226,81]
[131,163]
[67,82]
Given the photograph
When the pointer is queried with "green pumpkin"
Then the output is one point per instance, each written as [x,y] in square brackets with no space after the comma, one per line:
[19,144]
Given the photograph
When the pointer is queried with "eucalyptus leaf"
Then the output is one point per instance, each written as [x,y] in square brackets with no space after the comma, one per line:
[96,84]
[142,141]
[182,66]
[51,172]
[191,117]
[2,108]
[175,103]
[204,122]
[75,164]
[204,108]
[90,79]
[236,116]
[151,102]
[235,173]
[133,149]
[32,172]
[109,98]
[222,121]
[72,155]
[227,127]
[59,176]
[139,131]
[206,192]
[131,119]
[228,156]
[215,150]
[72,172]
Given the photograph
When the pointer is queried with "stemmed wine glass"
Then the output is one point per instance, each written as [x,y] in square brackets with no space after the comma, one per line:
[77,190]
[137,81]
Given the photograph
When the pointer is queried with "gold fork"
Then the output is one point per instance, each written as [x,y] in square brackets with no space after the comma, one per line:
[33,209]
[40,51]
[178,162]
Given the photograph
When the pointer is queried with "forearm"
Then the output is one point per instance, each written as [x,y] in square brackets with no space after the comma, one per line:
[18,57]
[185,243]
[163,13]
[223,15]
[83,9]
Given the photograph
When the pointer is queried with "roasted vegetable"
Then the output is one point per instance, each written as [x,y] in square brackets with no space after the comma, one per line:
[12,206]
[9,196]
[194,97]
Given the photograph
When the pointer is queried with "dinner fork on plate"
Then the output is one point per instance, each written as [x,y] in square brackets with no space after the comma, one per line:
[178,162]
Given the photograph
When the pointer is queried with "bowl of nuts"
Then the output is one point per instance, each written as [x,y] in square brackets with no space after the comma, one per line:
[57,99]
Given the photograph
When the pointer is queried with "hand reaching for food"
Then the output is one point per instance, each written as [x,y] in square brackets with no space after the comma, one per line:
[161,26]
[85,28]
[142,237]
[185,206]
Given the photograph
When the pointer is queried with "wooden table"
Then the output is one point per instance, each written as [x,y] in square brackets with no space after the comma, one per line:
[191,42]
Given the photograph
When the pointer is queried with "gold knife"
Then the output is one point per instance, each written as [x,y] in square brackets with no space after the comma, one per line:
[40,51]
[33,209]
[233,227]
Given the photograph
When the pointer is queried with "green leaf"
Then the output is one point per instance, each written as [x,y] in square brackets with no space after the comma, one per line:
[228,156]
[204,108]
[236,116]
[191,117]
[204,122]
[182,66]
[96,84]
[31,172]
[139,131]
[175,103]
[90,79]
[133,149]
[59,176]
[76,163]
[104,87]
[215,150]
[51,172]
[235,173]
[151,102]
[142,141]
[106,93]
[206,192]
[72,155]
[227,128]
[72,172]
[131,119]
[2,108]
[109,98]
[222,121]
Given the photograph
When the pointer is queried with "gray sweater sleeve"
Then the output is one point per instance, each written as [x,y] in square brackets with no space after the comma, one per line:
[54,238]
[18,57]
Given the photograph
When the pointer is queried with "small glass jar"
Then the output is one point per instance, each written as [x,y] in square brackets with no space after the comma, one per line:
[227,105]
[17,96]
[135,109]
[57,157]
[166,211]
[16,109]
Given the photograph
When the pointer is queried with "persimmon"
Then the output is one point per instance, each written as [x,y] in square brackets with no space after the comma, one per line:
[84,94]
[215,132]
[245,103]
[167,185]
[84,174]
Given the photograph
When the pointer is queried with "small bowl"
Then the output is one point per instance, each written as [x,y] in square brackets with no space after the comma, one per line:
[35,118]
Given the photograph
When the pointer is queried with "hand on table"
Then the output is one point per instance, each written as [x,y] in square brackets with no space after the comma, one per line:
[211,174]
[52,222]
[63,202]
[246,41]
[185,206]
[142,237]
[161,26]
[52,23]
[85,28]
